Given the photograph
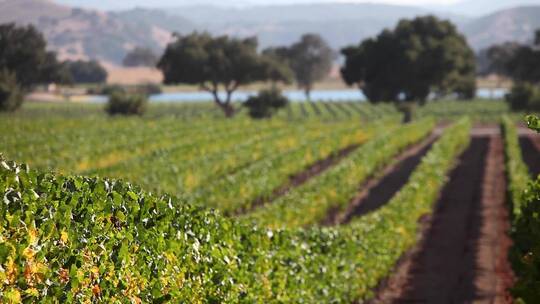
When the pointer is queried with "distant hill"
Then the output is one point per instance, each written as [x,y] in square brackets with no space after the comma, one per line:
[86,33]
[339,23]
[515,24]
[144,18]
[80,34]
[477,8]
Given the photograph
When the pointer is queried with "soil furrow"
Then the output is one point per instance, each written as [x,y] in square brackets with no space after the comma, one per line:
[380,189]
[302,177]
[530,153]
[461,256]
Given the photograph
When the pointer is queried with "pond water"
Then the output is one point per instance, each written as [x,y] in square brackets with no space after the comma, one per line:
[293,95]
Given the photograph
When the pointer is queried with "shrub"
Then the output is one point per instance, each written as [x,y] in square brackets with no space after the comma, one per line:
[524,96]
[126,104]
[140,57]
[144,89]
[11,97]
[266,103]
[86,71]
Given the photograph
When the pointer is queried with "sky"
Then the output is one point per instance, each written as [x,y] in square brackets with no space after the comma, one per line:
[126,4]
[461,7]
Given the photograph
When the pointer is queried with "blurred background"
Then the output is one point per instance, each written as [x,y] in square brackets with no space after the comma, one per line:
[127,38]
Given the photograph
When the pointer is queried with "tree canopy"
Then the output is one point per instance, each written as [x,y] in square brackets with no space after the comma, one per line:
[23,52]
[214,63]
[140,57]
[521,62]
[311,60]
[496,59]
[11,97]
[524,65]
[420,56]
[85,71]
[266,103]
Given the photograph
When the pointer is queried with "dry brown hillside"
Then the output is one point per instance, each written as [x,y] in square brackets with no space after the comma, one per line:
[80,33]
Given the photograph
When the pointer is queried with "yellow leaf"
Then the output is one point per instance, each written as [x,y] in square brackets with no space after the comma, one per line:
[28,253]
[11,271]
[64,238]
[33,234]
[13,296]
[32,292]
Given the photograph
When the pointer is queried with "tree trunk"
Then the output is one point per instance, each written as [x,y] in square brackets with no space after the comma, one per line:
[225,106]
[228,110]
[407,109]
[307,91]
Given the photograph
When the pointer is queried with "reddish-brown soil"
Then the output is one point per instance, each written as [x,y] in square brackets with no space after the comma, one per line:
[303,176]
[530,146]
[379,190]
[462,253]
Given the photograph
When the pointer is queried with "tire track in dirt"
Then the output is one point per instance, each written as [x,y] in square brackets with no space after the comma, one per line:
[462,253]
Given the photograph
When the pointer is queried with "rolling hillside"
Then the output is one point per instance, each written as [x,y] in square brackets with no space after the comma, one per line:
[77,33]
[339,23]
[516,24]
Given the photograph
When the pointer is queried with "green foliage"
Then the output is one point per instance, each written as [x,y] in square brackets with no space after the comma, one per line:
[432,56]
[311,60]
[213,62]
[143,89]
[140,57]
[241,190]
[524,193]
[266,103]
[276,68]
[308,204]
[109,89]
[499,58]
[533,122]
[126,104]
[77,239]
[524,96]
[524,65]
[23,52]
[517,172]
[11,97]
[477,110]
[86,71]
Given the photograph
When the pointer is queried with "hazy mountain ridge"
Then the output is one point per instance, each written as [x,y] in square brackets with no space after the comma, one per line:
[515,24]
[83,33]
[80,33]
[479,8]
[339,23]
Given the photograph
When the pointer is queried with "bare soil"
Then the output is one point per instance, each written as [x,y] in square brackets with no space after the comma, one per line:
[530,147]
[380,189]
[462,253]
[302,177]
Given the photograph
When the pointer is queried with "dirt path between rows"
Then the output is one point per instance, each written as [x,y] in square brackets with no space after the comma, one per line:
[461,256]
[530,147]
[302,177]
[379,190]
